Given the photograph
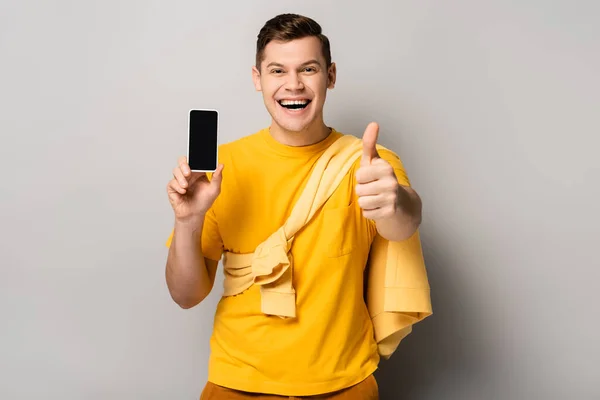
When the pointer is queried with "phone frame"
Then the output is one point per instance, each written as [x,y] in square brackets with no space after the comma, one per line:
[189,137]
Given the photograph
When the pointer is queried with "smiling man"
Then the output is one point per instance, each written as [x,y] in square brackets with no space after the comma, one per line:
[301,328]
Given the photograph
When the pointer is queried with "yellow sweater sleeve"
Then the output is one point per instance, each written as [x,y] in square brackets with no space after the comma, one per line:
[398,293]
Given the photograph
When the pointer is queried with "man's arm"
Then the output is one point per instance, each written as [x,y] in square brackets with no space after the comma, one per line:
[190,276]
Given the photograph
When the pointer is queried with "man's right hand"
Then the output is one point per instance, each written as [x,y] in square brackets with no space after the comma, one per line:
[191,194]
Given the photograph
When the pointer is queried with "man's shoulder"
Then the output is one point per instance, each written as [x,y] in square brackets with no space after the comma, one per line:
[384,152]
[242,142]
[353,139]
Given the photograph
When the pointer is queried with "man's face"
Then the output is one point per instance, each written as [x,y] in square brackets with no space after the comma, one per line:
[294,80]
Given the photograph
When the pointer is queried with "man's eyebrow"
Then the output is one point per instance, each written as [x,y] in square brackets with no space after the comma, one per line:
[311,62]
[276,64]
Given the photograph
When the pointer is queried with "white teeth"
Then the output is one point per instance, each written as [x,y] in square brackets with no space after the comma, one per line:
[293,102]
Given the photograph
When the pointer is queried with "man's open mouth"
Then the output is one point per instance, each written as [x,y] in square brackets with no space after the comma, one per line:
[294,104]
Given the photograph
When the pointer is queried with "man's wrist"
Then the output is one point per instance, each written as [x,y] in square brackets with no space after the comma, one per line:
[191,225]
[408,205]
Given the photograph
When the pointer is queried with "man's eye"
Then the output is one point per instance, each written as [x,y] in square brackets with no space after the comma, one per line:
[276,71]
[309,69]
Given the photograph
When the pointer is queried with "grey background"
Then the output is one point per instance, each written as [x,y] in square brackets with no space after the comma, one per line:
[493,107]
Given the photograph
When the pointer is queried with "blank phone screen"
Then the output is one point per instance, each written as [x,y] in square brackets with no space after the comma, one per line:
[202,141]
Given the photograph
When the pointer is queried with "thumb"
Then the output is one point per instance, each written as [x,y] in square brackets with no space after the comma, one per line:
[217,177]
[369,140]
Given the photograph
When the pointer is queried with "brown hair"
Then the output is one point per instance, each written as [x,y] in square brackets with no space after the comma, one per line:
[287,27]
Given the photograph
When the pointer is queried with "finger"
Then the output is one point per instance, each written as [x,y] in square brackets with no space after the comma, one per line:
[369,140]
[174,187]
[366,175]
[194,178]
[183,164]
[217,177]
[178,175]
[372,188]
[375,214]
[370,173]
[369,203]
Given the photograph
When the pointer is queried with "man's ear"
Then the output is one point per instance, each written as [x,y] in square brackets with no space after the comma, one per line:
[256,78]
[331,75]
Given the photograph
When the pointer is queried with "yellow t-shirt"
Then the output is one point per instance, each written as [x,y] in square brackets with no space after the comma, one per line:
[330,344]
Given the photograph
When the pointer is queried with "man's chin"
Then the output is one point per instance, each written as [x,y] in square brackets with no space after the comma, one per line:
[294,128]
[291,125]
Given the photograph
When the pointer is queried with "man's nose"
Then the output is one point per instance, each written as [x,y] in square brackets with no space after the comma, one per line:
[294,82]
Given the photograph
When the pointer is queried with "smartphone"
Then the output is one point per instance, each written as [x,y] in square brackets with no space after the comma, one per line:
[202,140]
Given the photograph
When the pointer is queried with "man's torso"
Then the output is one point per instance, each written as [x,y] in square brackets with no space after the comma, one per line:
[330,344]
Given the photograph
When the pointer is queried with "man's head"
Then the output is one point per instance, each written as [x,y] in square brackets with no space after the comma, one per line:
[293,71]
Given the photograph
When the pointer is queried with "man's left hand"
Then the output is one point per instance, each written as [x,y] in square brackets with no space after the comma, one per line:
[377,185]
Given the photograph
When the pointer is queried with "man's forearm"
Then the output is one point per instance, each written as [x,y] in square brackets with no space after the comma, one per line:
[407,218]
[186,273]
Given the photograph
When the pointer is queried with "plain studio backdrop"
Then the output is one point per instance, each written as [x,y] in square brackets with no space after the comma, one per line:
[493,107]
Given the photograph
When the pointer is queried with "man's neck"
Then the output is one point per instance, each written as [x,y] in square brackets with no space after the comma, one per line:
[311,135]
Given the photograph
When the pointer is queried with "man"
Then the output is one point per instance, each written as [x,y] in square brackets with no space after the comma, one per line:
[326,346]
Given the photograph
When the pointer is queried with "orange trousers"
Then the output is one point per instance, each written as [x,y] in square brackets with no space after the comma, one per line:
[365,390]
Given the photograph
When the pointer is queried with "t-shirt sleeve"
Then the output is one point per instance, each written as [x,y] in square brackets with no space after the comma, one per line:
[396,163]
[212,243]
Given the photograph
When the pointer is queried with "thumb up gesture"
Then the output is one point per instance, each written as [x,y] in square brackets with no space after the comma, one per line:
[377,186]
